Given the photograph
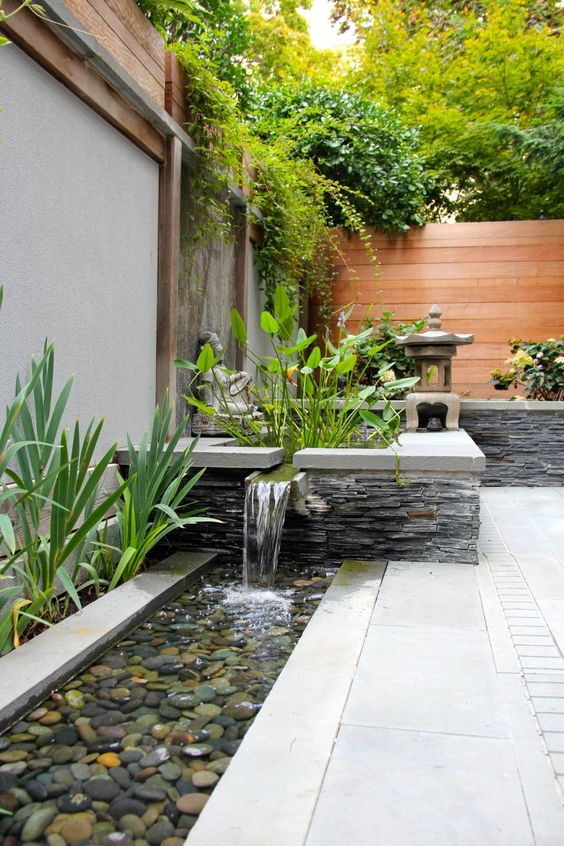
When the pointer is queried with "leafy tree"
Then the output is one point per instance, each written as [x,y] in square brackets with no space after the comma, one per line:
[358,145]
[479,79]
[219,31]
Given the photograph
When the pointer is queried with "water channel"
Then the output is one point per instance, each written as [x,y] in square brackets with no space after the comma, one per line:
[128,752]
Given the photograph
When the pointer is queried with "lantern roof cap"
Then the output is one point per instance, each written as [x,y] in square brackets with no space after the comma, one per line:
[434,334]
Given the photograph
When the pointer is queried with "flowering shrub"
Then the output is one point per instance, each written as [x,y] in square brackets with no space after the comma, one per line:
[536,365]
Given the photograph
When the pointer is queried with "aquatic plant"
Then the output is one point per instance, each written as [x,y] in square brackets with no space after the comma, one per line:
[309,396]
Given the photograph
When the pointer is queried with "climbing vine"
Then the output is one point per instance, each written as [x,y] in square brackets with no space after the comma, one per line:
[289,197]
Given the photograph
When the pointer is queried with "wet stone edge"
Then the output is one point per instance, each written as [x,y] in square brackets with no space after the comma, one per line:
[176,573]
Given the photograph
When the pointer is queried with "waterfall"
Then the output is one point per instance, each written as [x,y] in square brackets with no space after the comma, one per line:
[265,510]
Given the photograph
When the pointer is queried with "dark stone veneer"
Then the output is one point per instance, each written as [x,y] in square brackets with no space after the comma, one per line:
[350,514]
[522,447]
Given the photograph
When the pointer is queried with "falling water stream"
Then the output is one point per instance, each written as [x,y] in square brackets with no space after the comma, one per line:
[265,511]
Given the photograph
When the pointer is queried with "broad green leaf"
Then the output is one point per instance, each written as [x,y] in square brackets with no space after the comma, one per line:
[373,419]
[268,324]
[7,533]
[314,358]
[201,406]
[408,382]
[206,359]
[281,302]
[187,365]
[238,327]
[301,344]
[365,393]
[346,365]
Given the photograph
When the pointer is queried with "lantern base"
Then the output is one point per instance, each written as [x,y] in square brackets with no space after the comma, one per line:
[448,401]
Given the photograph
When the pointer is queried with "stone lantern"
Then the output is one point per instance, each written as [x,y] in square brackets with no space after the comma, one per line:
[432,405]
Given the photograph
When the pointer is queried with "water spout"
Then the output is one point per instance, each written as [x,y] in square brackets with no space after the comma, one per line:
[265,511]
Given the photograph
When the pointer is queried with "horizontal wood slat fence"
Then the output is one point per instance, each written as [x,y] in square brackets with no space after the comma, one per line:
[498,280]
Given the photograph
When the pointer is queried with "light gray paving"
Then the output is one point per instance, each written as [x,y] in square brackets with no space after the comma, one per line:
[458,695]
[442,681]
[418,789]
[452,730]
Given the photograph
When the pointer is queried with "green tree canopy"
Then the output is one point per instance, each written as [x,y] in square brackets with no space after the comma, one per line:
[480,80]
[354,142]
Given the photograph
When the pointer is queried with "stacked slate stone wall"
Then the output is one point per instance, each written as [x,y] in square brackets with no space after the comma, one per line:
[348,515]
[521,447]
[367,515]
[222,494]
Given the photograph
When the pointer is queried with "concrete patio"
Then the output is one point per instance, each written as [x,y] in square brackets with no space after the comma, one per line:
[424,706]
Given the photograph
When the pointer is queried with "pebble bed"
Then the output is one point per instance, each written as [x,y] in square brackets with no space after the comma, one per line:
[128,752]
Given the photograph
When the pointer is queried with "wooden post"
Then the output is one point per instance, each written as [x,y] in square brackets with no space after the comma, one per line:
[169,249]
[242,259]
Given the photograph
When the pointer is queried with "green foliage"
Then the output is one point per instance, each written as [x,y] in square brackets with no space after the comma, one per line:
[287,197]
[219,31]
[53,503]
[536,365]
[362,148]
[152,504]
[25,4]
[52,471]
[308,397]
[481,81]
[390,363]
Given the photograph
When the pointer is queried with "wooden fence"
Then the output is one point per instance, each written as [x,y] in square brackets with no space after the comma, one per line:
[498,280]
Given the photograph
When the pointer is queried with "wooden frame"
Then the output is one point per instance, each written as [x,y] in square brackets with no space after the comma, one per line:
[169,251]
[40,42]
[242,260]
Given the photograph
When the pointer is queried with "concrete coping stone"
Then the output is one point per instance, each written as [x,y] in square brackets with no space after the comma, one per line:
[436,453]
[49,660]
[268,793]
[512,405]
[494,405]
[223,453]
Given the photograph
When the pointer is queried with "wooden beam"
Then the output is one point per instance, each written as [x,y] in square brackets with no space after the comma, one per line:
[169,250]
[40,42]
[243,249]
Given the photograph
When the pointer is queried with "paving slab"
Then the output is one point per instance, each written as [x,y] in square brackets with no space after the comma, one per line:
[404,788]
[434,717]
[451,598]
[427,680]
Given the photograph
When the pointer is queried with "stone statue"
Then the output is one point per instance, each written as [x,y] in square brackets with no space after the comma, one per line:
[229,393]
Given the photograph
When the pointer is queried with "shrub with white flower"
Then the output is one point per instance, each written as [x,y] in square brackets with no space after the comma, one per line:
[537,365]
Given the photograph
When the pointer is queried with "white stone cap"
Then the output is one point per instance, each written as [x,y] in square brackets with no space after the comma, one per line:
[224,453]
[435,453]
[511,405]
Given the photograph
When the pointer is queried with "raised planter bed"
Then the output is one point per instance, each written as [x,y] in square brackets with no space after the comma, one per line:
[353,504]
[523,440]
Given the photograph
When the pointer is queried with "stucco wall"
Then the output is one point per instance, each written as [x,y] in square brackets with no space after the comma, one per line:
[79,227]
